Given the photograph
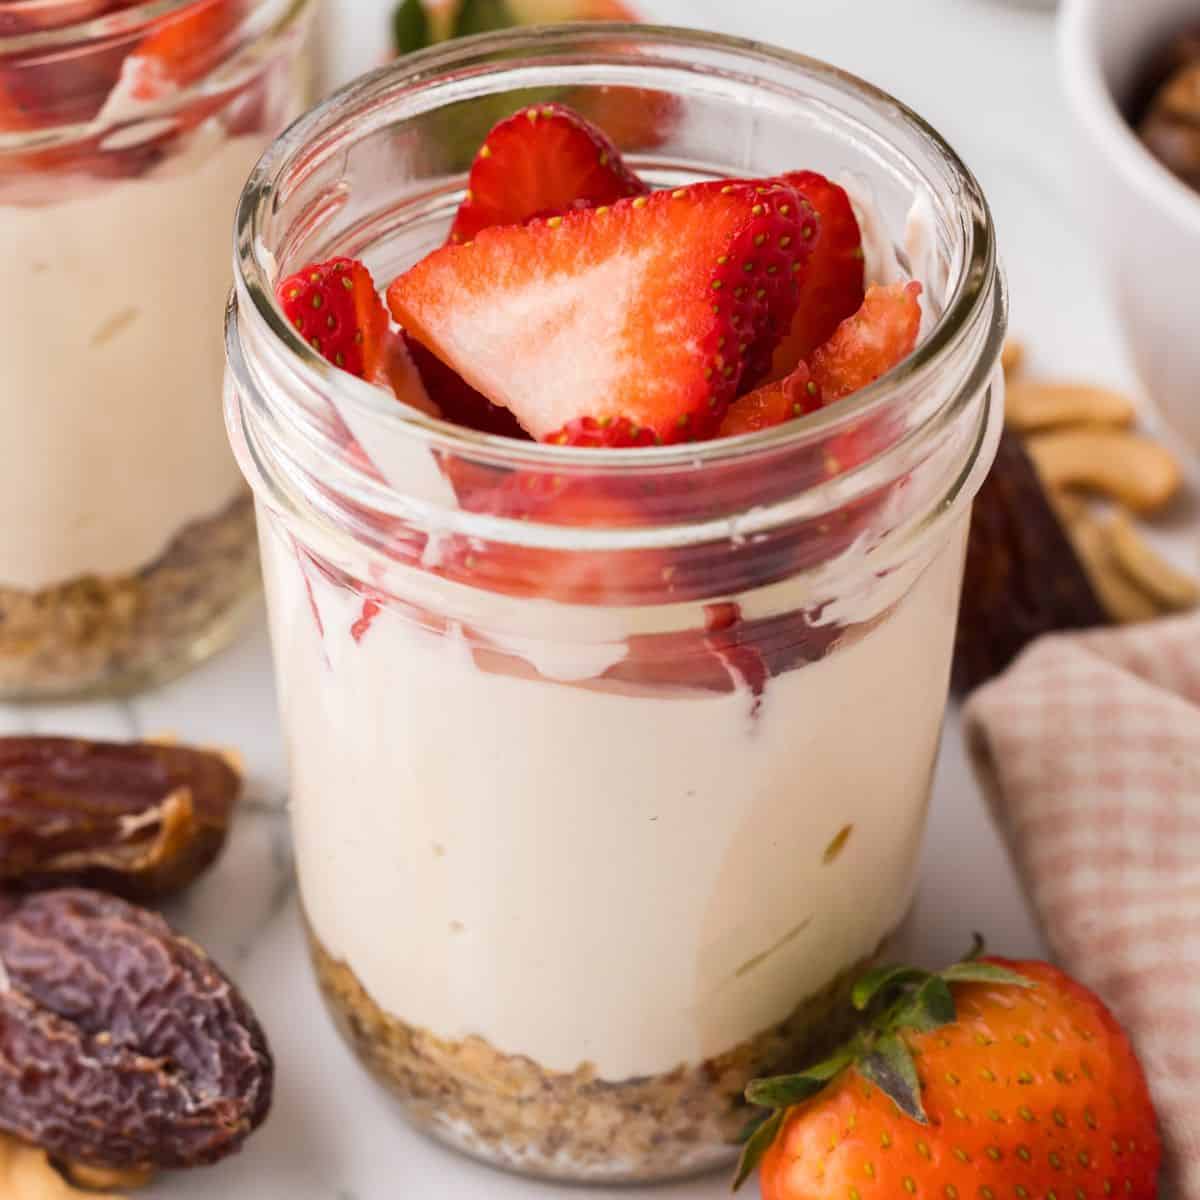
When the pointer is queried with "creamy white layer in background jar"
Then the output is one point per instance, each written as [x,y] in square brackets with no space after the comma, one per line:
[126,547]
[576,865]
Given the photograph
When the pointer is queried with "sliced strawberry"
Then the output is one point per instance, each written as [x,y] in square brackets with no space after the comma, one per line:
[869,344]
[874,340]
[773,403]
[189,43]
[654,309]
[542,160]
[457,400]
[618,434]
[832,287]
[336,309]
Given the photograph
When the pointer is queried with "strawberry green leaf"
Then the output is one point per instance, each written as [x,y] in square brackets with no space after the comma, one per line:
[784,1090]
[983,972]
[881,980]
[890,1067]
[483,16]
[930,1007]
[756,1145]
[410,27]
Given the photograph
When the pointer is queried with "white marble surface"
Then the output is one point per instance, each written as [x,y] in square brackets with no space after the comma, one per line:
[983,71]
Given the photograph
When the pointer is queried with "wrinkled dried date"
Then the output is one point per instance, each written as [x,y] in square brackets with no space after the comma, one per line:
[139,819]
[121,1043]
[1022,576]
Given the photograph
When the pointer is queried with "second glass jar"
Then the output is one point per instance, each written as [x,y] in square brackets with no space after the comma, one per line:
[127,547]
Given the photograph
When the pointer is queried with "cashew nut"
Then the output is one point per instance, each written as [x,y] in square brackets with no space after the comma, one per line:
[103,1179]
[1012,357]
[1147,568]
[1069,507]
[1030,407]
[1136,472]
[1122,599]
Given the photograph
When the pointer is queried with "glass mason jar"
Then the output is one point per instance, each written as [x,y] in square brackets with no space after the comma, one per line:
[599,805]
[127,546]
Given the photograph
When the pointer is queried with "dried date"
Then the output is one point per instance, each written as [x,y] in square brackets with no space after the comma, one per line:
[121,1043]
[1022,576]
[139,819]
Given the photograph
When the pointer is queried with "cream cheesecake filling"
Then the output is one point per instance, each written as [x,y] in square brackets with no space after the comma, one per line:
[110,383]
[633,881]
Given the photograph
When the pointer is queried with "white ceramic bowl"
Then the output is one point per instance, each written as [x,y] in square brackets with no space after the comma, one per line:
[1148,220]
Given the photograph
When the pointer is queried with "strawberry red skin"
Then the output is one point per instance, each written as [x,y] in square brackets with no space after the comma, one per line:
[542,160]
[1029,1094]
[832,287]
[655,309]
[334,306]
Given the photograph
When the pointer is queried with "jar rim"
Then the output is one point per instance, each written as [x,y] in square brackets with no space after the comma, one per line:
[973,289]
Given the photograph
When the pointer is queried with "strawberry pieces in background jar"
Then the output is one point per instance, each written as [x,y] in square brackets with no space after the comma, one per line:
[118,195]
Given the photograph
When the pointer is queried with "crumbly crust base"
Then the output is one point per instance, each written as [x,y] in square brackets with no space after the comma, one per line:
[108,635]
[510,1112]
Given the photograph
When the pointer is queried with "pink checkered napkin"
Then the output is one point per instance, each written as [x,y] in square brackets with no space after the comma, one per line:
[1089,751]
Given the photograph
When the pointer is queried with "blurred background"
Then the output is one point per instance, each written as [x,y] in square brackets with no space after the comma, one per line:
[982,71]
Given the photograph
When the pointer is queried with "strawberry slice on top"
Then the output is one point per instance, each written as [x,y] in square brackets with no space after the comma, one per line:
[655,309]
[542,160]
[334,306]
[867,345]
[833,284]
[336,309]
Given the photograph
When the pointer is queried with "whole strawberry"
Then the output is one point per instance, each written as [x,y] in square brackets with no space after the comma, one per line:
[991,1080]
